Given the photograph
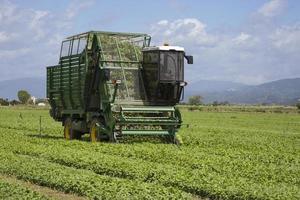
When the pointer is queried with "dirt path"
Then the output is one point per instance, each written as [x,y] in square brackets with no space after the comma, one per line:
[46,191]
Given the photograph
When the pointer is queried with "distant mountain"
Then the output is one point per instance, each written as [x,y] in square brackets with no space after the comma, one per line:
[285,91]
[213,86]
[35,86]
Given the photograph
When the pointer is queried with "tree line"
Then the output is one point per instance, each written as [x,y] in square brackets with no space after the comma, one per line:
[24,97]
[198,100]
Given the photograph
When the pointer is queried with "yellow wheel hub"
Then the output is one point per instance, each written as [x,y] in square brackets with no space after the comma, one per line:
[68,131]
[94,133]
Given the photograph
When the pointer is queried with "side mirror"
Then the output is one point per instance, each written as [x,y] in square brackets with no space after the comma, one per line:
[183,83]
[189,59]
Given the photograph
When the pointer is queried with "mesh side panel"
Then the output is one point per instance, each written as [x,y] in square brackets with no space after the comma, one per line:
[131,87]
[117,74]
[109,49]
[122,55]
[127,52]
[134,85]
[117,48]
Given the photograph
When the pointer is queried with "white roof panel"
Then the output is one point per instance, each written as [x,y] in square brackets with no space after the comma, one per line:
[164,48]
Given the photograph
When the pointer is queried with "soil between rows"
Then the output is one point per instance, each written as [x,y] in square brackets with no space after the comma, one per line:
[46,191]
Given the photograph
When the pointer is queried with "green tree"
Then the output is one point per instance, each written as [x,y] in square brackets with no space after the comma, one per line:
[14,102]
[4,102]
[215,103]
[23,96]
[195,100]
[298,105]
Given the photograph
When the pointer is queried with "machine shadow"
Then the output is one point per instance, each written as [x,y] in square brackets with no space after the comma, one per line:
[133,140]
[123,140]
[46,136]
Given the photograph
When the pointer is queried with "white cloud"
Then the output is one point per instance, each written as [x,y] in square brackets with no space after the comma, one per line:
[6,37]
[258,51]
[38,22]
[250,56]
[189,30]
[76,7]
[163,23]
[29,39]
[13,54]
[8,13]
[242,38]
[3,37]
[272,8]
[287,37]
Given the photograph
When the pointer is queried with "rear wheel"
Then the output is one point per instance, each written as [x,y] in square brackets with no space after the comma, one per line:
[69,133]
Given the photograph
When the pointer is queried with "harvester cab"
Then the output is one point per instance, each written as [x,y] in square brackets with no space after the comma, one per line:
[163,70]
[112,84]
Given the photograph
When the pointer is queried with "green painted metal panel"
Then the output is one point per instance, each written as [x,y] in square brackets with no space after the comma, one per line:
[143,132]
[72,88]
[148,108]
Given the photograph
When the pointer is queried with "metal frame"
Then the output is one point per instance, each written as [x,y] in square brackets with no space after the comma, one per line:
[164,119]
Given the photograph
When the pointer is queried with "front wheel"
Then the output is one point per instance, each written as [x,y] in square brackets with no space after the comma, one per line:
[178,140]
[174,139]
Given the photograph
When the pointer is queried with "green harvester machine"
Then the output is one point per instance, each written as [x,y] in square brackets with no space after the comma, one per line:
[112,84]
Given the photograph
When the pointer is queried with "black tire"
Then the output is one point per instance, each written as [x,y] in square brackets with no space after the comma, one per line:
[174,139]
[113,138]
[168,138]
[69,133]
[77,135]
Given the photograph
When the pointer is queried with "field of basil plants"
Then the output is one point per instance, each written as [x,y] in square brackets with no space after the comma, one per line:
[225,155]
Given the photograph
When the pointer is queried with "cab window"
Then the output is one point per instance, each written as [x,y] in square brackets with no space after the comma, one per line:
[81,45]
[75,47]
[168,66]
[65,48]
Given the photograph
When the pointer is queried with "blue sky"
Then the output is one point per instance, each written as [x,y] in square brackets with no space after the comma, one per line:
[252,41]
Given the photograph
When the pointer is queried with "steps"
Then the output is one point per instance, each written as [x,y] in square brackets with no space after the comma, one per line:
[147,120]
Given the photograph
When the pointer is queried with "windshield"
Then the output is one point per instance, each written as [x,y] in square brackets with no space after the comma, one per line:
[163,72]
[171,66]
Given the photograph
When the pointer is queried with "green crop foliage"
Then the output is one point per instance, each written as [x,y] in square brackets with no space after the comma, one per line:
[13,191]
[225,156]
[81,182]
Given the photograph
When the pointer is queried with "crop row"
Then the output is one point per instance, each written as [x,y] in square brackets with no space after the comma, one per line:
[257,165]
[258,150]
[225,155]
[205,180]
[14,191]
[29,119]
[82,182]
